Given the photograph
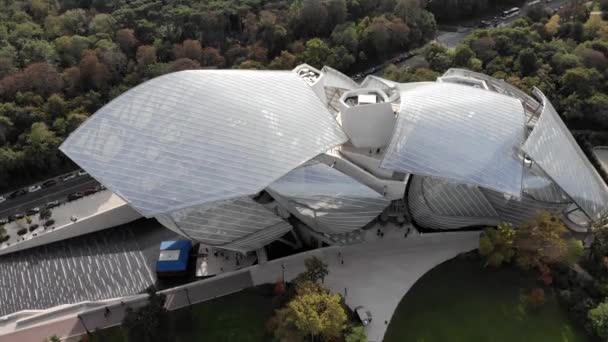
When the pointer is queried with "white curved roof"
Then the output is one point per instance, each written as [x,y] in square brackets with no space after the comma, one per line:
[554,149]
[460,133]
[199,136]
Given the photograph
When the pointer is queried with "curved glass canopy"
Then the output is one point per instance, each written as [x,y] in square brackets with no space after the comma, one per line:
[200,136]
[327,199]
[459,133]
[554,149]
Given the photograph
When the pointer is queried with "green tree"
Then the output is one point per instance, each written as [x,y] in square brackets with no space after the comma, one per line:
[438,57]
[340,58]
[497,245]
[356,334]
[463,55]
[103,23]
[598,318]
[527,62]
[316,53]
[580,80]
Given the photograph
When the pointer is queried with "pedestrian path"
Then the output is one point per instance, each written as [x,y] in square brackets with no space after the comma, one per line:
[375,274]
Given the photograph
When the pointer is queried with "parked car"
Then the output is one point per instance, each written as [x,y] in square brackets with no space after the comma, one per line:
[75,196]
[34,188]
[2,199]
[68,177]
[82,173]
[17,193]
[49,183]
[16,217]
[52,204]
[89,191]
[365,316]
[32,211]
[3,220]
[34,227]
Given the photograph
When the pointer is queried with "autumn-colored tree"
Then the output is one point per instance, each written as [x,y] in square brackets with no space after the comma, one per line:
[552,26]
[212,57]
[126,40]
[43,78]
[545,241]
[312,312]
[146,55]
[183,64]
[191,49]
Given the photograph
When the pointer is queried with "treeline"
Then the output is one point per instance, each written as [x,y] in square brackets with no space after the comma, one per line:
[565,58]
[61,60]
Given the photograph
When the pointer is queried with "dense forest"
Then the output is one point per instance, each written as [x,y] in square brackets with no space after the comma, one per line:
[565,58]
[61,60]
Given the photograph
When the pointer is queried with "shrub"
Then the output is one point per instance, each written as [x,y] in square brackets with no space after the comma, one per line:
[21,231]
[598,318]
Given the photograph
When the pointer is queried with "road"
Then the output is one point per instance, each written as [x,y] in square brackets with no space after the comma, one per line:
[452,39]
[39,198]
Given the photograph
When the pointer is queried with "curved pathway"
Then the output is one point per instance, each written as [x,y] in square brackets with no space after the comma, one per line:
[375,274]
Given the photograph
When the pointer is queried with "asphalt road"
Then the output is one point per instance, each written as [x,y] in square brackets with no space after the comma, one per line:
[39,198]
[452,39]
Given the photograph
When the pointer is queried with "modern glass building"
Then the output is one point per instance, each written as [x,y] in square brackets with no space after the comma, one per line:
[232,158]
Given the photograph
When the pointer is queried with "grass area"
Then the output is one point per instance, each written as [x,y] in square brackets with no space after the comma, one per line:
[236,317]
[461,301]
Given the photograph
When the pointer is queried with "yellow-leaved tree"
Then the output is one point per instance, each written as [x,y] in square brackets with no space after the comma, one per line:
[313,314]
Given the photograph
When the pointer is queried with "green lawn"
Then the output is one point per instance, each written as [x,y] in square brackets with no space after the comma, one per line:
[460,301]
[237,317]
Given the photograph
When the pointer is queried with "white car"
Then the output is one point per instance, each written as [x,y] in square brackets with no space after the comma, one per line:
[2,199]
[365,316]
[34,188]
[68,177]
[82,173]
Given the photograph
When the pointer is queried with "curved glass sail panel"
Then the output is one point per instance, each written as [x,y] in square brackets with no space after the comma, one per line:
[520,210]
[437,204]
[554,149]
[223,222]
[540,187]
[200,136]
[459,133]
[326,199]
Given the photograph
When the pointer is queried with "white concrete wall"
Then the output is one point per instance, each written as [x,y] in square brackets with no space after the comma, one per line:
[110,217]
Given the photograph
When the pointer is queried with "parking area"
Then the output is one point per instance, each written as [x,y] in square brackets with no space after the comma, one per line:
[49,193]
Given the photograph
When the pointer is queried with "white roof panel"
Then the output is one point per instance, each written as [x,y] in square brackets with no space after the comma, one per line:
[554,149]
[199,136]
[459,133]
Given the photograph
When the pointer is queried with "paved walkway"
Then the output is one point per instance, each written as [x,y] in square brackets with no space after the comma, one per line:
[375,274]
